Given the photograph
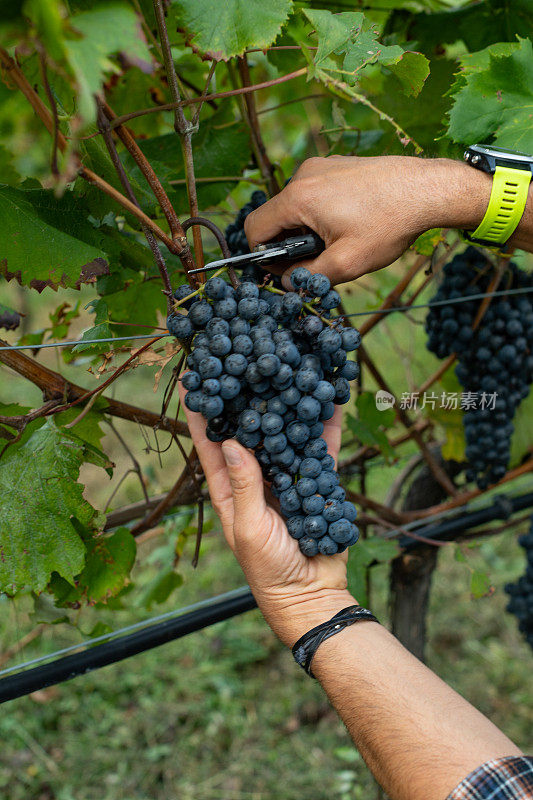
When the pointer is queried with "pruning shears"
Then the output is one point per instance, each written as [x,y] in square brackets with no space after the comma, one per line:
[287,250]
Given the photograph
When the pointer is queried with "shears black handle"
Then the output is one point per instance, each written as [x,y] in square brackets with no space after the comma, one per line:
[297,247]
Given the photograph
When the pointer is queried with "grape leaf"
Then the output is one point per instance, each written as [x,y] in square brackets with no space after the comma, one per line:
[7,170]
[160,588]
[95,156]
[411,70]
[49,241]
[60,320]
[334,31]
[372,437]
[84,46]
[349,33]
[479,584]
[422,115]
[522,438]
[360,558]
[142,295]
[226,29]
[451,422]
[15,410]
[100,330]
[375,417]
[493,97]
[43,510]
[370,422]
[108,564]
[428,241]
[89,426]
[46,241]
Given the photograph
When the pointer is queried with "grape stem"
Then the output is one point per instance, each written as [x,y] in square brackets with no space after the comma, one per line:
[200,289]
[307,306]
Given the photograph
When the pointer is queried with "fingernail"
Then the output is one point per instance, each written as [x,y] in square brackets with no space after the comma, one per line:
[232,457]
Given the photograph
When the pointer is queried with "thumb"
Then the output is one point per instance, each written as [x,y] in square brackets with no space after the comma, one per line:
[249,503]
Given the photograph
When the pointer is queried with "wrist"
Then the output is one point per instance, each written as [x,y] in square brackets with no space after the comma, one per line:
[291,618]
[459,194]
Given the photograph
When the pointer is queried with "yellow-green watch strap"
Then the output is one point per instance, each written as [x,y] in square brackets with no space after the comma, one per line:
[507,202]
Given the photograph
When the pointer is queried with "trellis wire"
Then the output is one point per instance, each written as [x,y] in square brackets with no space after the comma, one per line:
[85,341]
[403,309]
[435,303]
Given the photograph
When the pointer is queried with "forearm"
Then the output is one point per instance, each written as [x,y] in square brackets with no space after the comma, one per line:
[454,195]
[418,736]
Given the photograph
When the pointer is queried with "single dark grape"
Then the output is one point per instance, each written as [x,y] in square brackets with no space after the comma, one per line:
[180,326]
[308,546]
[236,364]
[200,313]
[191,380]
[315,526]
[215,288]
[299,277]
[210,367]
[318,285]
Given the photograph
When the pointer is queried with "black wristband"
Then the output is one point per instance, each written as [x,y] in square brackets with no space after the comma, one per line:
[306,647]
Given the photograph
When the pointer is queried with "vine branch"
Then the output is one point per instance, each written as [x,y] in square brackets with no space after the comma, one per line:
[55,387]
[155,184]
[465,497]
[221,239]
[103,123]
[182,127]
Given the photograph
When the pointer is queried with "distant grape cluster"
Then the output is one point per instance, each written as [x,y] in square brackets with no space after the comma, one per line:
[235,235]
[496,359]
[267,367]
[521,592]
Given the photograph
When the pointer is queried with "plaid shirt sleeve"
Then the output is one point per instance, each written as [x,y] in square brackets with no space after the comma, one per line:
[509,778]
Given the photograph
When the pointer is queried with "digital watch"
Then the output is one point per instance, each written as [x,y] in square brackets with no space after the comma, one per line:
[512,172]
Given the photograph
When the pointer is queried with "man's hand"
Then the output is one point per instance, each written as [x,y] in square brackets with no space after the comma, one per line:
[369,210]
[294,592]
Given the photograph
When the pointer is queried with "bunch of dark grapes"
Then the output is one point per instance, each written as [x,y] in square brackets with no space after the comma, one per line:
[267,371]
[494,360]
[235,236]
[521,592]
